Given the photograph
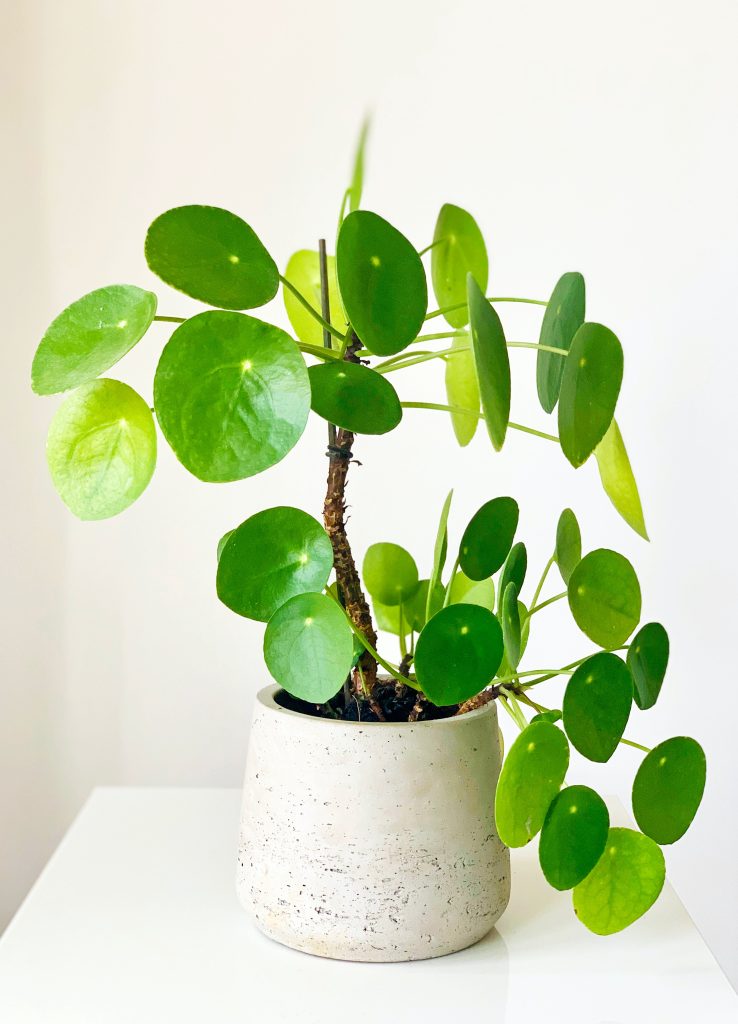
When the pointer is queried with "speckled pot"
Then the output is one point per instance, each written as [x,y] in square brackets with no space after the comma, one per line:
[374,841]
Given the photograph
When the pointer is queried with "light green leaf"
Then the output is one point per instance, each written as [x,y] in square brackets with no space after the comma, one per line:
[390,573]
[458,653]
[593,373]
[357,176]
[668,789]
[488,538]
[618,480]
[462,391]
[271,557]
[440,549]
[563,317]
[568,544]
[90,336]
[597,704]
[232,395]
[491,361]
[573,837]
[419,608]
[605,597]
[354,397]
[303,271]
[309,647]
[531,776]
[382,283]
[101,449]
[624,884]
[458,250]
[466,591]
[648,657]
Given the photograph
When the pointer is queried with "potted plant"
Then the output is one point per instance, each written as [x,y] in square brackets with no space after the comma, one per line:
[376,818]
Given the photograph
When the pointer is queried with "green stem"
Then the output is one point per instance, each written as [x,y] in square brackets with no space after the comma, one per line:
[326,354]
[546,603]
[540,348]
[392,669]
[422,252]
[490,298]
[447,595]
[439,336]
[467,412]
[312,310]
[515,712]
[506,706]
[171,319]
[566,670]
[542,580]
[628,743]
[638,746]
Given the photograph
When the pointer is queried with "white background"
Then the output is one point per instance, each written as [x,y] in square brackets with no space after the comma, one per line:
[591,136]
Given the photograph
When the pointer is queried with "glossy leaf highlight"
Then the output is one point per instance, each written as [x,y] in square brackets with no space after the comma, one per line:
[458,653]
[605,597]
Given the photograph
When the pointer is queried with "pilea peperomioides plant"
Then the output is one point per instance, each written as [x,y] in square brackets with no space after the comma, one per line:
[232,395]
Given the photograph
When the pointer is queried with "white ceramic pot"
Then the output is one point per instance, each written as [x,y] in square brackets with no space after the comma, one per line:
[372,841]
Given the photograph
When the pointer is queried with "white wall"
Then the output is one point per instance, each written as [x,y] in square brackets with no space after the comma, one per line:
[590,136]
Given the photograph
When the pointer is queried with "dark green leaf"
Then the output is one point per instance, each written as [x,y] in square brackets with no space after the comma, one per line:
[605,597]
[568,544]
[593,373]
[101,449]
[462,391]
[459,250]
[211,255]
[618,480]
[232,395]
[390,573]
[90,336]
[458,653]
[354,397]
[624,884]
[573,837]
[303,271]
[270,558]
[309,647]
[510,621]
[488,538]
[492,363]
[648,656]
[563,317]
[382,283]
[597,704]
[531,776]
[223,541]
[514,569]
[668,789]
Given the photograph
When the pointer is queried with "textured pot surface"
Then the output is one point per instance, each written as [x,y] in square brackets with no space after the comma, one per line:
[374,841]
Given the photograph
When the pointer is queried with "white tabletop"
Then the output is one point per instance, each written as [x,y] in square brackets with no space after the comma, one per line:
[135,920]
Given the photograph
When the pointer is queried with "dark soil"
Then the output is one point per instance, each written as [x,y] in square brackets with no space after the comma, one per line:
[395,700]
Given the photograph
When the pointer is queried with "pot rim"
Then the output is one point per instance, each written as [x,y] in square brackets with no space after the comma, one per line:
[265,697]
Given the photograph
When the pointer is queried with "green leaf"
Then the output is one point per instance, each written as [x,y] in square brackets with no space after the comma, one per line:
[390,573]
[488,538]
[563,317]
[309,647]
[568,544]
[506,669]
[547,716]
[223,541]
[303,271]
[440,549]
[232,395]
[624,884]
[510,621]
[382,283]
[492,363]
[90,336]
[417,607]
[593,373]
[458,653]
[211,255]
[618,480]
[597,704]
[648,656]
[573,837]
[388,618]
[668,789]
[514,569]
[466,591]
[101,449]
[605,597]
[462,391]
[357,176]
[271,557]
[531,776]
[354,397]
[458,250]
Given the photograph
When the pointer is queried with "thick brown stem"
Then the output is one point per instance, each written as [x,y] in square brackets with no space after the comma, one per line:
[478,701]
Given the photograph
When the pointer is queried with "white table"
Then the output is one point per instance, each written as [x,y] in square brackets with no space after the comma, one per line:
[135,921]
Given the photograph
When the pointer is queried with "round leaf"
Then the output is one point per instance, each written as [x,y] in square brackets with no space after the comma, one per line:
[90,336]
[390,573]
[648,656]
[668,789]
[514,569]
[593,373]
[618,480]
[391,618]
[510,619]
[624,884]
[458,653]
[211,255]
[459,250]
[354,397]
[597,704]
[309,647]
[563,317]
[573,837]
[568,544]
[232,395]
[462,391]
[488,538]
[101,449]
[382,283]
[531,776]
[466,591]
[605,597]
[491,361]
[270,558]
[303,271]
